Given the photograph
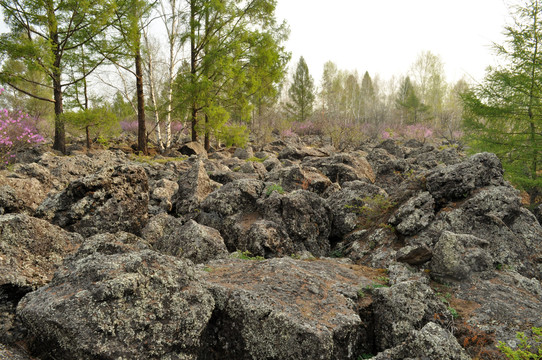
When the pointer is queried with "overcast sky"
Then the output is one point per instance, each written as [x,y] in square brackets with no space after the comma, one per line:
[385,36]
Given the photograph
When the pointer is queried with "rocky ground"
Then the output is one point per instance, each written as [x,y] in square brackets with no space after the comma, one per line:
[288,251]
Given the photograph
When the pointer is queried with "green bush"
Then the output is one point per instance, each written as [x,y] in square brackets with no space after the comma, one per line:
[234,135]
[274,187]
[523,352]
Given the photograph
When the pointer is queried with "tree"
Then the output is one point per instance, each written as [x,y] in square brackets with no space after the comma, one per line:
[409,103]
[301,92]
[228,42]
[47,35]
[367,96]
[504,113]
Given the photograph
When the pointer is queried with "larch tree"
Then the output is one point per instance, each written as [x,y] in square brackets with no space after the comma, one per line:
[301,92]
[235,53]
[44,35]
[504,113]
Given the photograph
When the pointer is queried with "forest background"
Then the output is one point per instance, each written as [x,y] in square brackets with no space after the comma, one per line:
[220,72]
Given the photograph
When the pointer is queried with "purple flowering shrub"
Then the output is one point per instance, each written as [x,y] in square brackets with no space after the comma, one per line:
[417,131]
[16,132]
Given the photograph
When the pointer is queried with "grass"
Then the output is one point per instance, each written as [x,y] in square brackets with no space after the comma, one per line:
[246,255]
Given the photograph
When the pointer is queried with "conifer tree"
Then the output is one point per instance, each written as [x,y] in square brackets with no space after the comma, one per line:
[301,92]
[46,35]
[504,113]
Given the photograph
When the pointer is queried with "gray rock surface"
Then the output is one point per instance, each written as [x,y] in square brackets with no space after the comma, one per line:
[31,249]
[286,309]
[193,188]
[456,182]
[414,215]
[403,308]
[341,168]
[113,199]
[432,342]
[191,240]
[115,298]
[297,177]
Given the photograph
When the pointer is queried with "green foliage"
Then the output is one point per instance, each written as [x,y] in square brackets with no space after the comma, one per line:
[409,103]
[47,38]
[453,312]
[373,209]
[365,356]
[503,114]
[256,159]
[246,255]
[99,121]
[274,187]
[236,57]
[234,135]
[523,351]
[301,92]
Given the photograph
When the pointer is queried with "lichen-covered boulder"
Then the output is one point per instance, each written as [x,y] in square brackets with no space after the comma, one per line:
[403,308]
[304,216]
[414,215]
[116,298]
[193,188]
[113,199]
[457,181]
[31,249]
[287,309]
[431,342]
[346,205]
[297,177]
[457,256]
[341,168]
[191,240]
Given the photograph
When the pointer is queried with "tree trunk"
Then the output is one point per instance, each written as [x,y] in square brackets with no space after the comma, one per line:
[207,141]
[141,127]
[60,132]
[194,118]
[88,136]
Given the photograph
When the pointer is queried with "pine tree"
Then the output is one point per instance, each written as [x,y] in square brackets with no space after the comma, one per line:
[504,113]
[301,92]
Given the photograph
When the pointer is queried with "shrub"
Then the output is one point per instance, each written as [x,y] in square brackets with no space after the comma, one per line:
[274,187]
[523,352]
[234,135]
[375,208]
[16,133]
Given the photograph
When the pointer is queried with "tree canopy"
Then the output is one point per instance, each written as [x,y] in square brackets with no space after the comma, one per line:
[504,113]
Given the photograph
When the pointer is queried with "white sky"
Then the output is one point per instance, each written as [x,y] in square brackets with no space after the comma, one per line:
[385,36]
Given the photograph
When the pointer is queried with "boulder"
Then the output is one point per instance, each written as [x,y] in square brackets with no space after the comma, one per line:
[117,299]
[456,182]
[286,309]
[193,188]
[243,154]
[458,256]
[160,200]
[431,342]
[31,250]
[268,239]
[510,234]
[304,216]
[296,177]
[24,188]
[341,168]
[191,240]
[193,148]
[403,308]
[113,199]
[414,215]
[346,204]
